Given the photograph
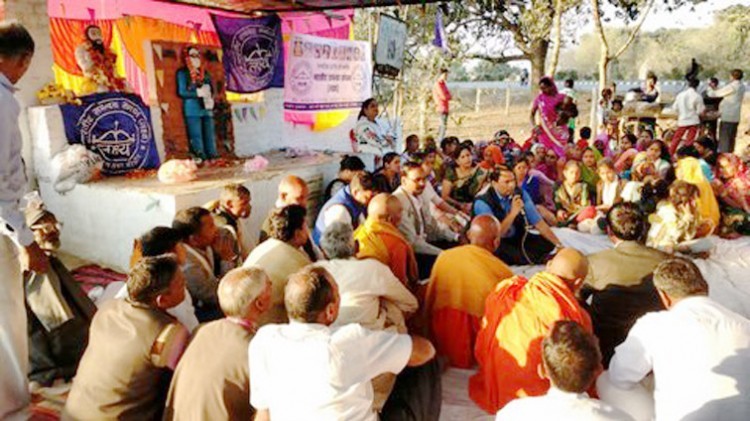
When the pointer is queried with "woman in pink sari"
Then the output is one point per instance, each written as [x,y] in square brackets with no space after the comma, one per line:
[548,103]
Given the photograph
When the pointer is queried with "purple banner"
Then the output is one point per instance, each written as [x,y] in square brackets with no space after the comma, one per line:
[253,52]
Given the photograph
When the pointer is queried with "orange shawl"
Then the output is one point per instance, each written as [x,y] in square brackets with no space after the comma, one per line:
[369,236]
[518,315]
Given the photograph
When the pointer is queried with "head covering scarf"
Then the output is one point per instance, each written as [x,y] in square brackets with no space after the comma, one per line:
[497,157]
[689,170]
[589,175]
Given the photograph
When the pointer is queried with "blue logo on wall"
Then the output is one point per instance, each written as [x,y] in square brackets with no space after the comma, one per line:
[117,127]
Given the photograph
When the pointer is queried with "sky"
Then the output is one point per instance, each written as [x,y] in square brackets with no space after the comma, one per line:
[685,17]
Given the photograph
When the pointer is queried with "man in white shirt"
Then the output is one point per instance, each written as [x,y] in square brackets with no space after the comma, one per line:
[16,51]
[371,295]
[689,106]
[698,351]
[730,108]
[416,223]
[571,361]
[307,370]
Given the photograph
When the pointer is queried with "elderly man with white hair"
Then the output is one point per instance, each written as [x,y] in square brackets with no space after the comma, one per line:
[211,381]
[370,294]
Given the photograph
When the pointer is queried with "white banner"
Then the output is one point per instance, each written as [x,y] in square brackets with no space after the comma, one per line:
[326,74]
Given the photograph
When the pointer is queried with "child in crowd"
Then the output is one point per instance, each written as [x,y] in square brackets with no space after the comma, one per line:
[677,222]
[572,200]
[584,138]
[626,153]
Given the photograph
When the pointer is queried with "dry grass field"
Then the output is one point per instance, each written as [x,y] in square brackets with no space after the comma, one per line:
[466,122]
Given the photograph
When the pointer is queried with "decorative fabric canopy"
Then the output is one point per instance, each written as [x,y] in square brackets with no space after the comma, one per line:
[245,6]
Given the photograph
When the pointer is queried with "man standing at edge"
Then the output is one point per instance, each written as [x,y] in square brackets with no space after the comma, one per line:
[16,51]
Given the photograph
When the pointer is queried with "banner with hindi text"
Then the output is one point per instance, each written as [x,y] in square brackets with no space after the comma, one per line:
[117,127]
[326,74]
[253,52]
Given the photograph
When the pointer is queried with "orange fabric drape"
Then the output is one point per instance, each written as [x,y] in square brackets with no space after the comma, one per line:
[67,34]
[134,30]
[518,315]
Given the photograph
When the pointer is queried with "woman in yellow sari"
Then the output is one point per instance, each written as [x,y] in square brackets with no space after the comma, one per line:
[689,169]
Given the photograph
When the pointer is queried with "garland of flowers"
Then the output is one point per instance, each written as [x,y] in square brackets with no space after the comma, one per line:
[104,63]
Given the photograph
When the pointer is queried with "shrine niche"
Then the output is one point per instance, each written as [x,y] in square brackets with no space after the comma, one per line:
[189,87]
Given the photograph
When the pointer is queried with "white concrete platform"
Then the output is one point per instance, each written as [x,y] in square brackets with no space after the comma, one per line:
[101,219]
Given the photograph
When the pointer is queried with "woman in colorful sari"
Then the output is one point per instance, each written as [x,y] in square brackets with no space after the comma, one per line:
[463,182]
[658,154]
[492,157]
[689,169]
[589,174]
[548,103]
[732,186]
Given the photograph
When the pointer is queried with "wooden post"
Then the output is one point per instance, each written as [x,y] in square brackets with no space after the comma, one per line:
[478,101]
[507,100]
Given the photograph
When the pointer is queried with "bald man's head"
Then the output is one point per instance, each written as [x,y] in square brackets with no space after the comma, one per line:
[292,191]
[485,232]
[378,207]
[571,265]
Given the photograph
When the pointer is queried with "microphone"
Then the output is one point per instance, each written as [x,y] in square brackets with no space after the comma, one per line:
[518,193]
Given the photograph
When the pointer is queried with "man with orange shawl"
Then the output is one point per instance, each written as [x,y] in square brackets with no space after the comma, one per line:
[517,316]
[379,238]
[461,280]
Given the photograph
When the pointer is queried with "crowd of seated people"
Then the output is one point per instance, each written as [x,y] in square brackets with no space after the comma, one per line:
[412,268]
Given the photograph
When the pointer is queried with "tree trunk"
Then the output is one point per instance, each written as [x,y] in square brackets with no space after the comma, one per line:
[556,38]
[603,67]
[538,59]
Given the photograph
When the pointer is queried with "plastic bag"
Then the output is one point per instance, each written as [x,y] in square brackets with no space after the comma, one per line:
[178,171]
[74,165]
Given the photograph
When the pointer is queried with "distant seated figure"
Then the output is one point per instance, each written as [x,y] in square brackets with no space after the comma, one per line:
[97,62]
[348,168]
[281,255]
[379,238]
[678,220]
[212,381]
[618,283]
[388,177]
[292,191]
[155,242]
[59,312]
[571,362]
[517,215]
[517,316]
[370,294]
[697,350]
[325,371]
[348,205]
[233,206]
[133,347]
[461,280]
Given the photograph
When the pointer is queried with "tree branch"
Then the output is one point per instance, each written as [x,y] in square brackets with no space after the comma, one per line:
[635,30]
[598,25]
[497,60]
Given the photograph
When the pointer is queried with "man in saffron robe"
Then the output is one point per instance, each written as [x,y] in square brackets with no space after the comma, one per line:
[517,316]
[461,280]
[379,238]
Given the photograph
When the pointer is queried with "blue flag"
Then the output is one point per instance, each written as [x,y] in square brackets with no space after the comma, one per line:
[253,52]
[441,40]
[116,126]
